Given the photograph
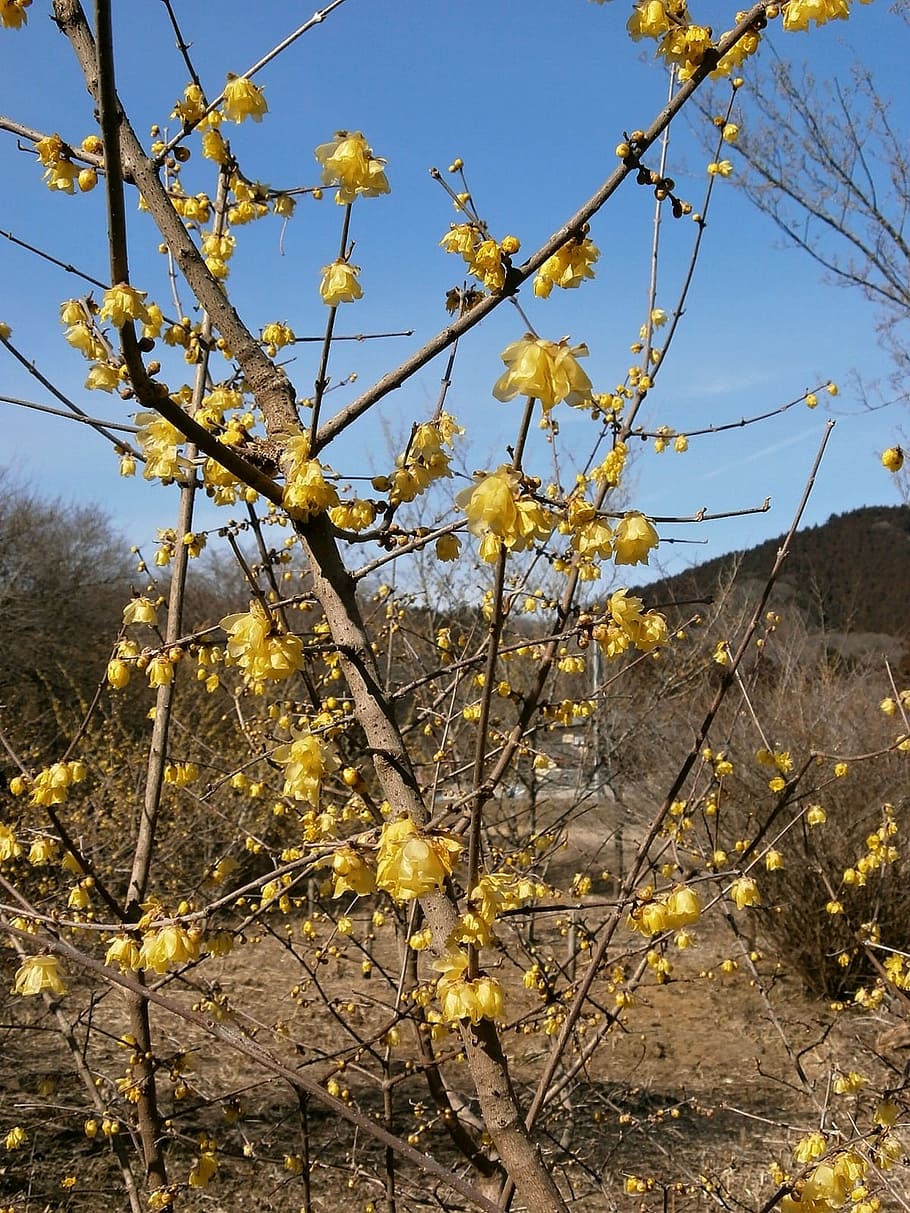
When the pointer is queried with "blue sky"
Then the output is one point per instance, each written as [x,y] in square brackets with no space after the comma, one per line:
[534,96]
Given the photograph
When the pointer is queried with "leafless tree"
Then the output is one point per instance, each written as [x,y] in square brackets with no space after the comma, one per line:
[827,161]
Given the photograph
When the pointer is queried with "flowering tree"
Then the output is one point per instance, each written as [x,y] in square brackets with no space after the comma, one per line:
[339,812]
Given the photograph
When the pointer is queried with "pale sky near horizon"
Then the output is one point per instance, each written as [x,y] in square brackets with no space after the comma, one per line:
[534,96]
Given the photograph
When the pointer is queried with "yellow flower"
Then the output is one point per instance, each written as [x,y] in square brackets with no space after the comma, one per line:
[306,490]
[461,238]
[37,974]
[192,107]
[548,370]
[646,631]
[487,265]
[203,1169]
[893,458]
[13,14]
[816,815]
[122,303]
[840,770]
[649,20]
[306,761]
[339,283]
[410,863]
[448,547]
[810,1147]
[354,515]
[744,892]
[720,168]
[567,268]
[102,378]
[650,918]
[243,99]
[160,671]
[169,945]
[263,653]
[214,147]
[348,162]
[140,610]
[475,1000]
[51,785]
[10,848]
[686,46]
[15,1138]
[124,952]
[799,13]
[501,516]
[351,873]
[462,999]
[633,540]
[683,907]
[276,336]
[43,850]
[849,1084]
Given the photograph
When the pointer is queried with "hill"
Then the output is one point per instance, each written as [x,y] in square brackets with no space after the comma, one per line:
[850,575]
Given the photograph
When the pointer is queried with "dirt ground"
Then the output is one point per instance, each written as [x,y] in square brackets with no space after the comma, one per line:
[704,1082]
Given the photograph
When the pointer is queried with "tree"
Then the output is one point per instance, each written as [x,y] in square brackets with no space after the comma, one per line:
[63,573]
[827,162]
[316,879]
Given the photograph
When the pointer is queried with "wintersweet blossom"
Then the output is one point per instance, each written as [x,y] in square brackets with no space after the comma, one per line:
[306,761]
[140,610]
[276,336]
[568,267]
[191,109]
[348,162]
[122,303]
[243,99]
[461,238]
[680,908]
[13,14]
[685,46]
[351,873]
[798,14]
[10,847]
[410,863]
[306,490]
[170,945]
[547,370]
[893,459]
[52,784]
[501,515]
[633,539]
[123,951]
[460,998]
[339,283]
[38,974]
[744,892]
[160,442]
[448,547]
[649,19]
[256,645]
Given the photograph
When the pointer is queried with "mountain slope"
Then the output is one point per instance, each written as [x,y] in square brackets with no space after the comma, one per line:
[849,575]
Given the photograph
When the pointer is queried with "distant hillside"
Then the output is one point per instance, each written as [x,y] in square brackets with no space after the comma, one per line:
[849,575]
